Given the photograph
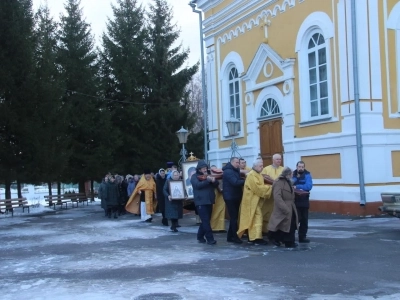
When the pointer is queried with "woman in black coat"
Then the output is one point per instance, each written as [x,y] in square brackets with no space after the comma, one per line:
[161,178]
[112,197]
[204,198]
[173,208]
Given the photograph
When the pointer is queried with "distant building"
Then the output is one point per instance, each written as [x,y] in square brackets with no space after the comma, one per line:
[284,68]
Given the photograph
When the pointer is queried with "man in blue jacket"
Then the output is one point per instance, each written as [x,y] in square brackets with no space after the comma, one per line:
[204,198]
[232,191]
[302,180]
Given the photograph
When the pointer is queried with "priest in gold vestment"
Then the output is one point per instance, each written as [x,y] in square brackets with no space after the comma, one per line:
[273,171]
[254,192]
[143,200]
[218,212]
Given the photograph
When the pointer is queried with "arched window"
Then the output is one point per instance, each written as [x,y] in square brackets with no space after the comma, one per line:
[313,47]
[234,94]
[269,108]
[318,79]
[393,23]
[230,93]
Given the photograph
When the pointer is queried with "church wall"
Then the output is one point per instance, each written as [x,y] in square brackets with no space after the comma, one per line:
[329,146]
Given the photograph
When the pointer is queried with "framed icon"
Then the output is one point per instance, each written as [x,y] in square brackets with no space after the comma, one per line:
[176,190]
[188,169]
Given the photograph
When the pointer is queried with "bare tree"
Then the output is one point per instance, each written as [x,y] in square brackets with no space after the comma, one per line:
[195,91]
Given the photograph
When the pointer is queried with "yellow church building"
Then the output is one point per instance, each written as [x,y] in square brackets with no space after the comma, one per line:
[286,70]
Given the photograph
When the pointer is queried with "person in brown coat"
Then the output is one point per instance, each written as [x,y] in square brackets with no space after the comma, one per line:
[283,222]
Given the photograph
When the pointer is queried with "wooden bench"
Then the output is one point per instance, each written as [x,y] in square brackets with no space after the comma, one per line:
[79,198]
[64,199]
[10,204]
[61,200]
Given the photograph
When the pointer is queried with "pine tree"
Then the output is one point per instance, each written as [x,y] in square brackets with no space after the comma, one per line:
[16,48]
[168,98]
[123,80]
[142,73]
[48,131]
[93,138]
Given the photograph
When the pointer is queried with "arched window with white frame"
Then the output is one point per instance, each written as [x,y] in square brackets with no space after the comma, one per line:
[269,109]
[313,46]
[318,76]
[230,93]
[234,94]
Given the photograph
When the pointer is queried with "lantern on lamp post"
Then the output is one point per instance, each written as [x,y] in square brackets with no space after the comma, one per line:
[182,135]
[233,130]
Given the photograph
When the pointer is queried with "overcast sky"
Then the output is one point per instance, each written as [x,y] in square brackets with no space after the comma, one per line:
[97,11]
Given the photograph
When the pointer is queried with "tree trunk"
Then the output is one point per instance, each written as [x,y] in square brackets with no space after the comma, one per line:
[81,186]
[7,184]
[92,190]
[59,188]
[50,189]
[19,188]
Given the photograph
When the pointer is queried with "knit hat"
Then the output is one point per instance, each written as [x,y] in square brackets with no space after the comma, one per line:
[146,171]
[201,164]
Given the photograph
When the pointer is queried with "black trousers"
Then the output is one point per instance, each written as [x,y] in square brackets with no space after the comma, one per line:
[302,213]
[174,223]
[161,209]
[233,211]
[205,230]
[111,209]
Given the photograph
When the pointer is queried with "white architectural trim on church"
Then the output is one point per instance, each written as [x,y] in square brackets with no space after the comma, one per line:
[328,36]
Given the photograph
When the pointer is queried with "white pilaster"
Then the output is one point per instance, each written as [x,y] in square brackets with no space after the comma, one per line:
[212,102]
[349,48]
[363,49]
[342,40]
[375,50]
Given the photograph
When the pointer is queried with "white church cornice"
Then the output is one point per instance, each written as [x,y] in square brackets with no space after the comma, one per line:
[234,12]
[266,55]
[206,5]
[217,24]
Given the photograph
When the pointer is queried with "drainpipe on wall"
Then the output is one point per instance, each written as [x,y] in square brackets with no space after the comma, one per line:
[357,104]
[192,4]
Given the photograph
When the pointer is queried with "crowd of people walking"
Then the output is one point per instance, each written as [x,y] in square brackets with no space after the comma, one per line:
[271,201]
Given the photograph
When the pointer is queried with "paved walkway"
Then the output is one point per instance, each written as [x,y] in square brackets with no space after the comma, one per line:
[80,254]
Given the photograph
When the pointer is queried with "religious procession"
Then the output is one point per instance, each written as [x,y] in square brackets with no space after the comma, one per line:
[264,205]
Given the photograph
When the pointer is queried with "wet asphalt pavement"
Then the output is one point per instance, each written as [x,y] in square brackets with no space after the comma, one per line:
[79,254]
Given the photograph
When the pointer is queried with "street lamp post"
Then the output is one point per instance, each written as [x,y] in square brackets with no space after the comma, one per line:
[182,136]
[233,130]
[193,4]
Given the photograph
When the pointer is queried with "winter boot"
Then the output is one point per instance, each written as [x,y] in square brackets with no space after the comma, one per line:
[173,226]
[164,221]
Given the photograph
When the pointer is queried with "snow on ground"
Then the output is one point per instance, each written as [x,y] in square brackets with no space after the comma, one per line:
[179,286]
[356,223]
[109,256]
[49,275]
[334,234]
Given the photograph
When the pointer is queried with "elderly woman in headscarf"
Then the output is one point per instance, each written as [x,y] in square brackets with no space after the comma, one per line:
[173,208]
[283,222]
